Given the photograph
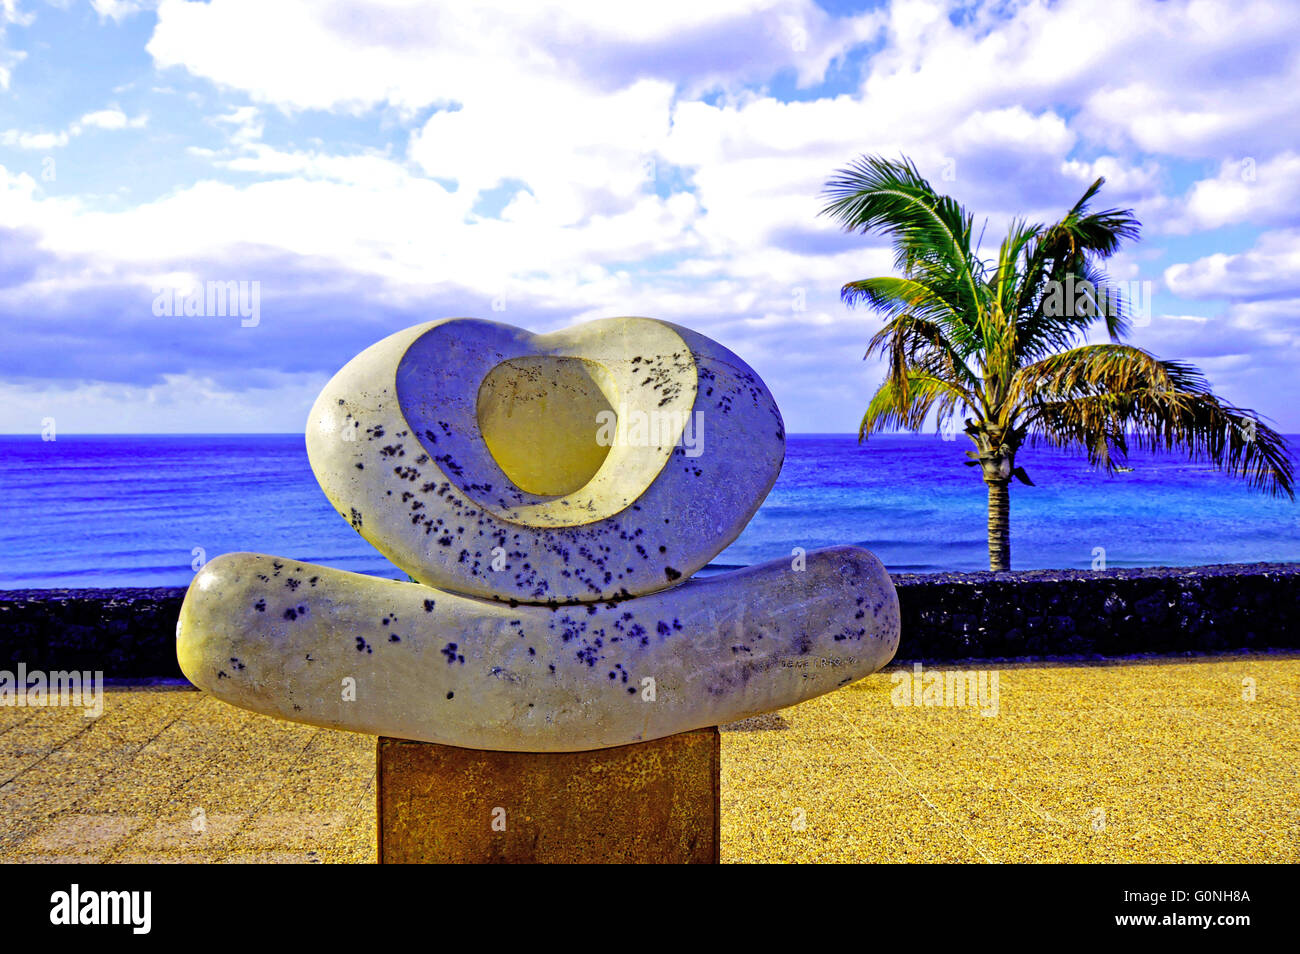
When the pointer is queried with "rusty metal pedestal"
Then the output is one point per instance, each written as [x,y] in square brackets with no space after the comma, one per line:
[648,802]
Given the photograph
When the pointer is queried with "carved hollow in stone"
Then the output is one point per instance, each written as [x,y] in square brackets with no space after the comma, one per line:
[416,441]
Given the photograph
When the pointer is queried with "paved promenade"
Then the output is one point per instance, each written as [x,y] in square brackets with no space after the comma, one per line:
[1154,760]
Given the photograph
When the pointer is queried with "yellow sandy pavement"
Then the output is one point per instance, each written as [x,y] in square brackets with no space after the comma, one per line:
[1161,760]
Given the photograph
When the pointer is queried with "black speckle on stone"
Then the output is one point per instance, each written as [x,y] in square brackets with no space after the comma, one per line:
[428,606]
[451,695]
[672,574]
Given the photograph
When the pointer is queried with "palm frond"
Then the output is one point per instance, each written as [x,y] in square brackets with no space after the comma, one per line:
[1068,253]
[1101,397]
[908,340]
[892,296]
[931,233]
[908,406]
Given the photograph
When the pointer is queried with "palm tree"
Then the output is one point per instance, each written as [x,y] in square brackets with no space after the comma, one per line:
[999,342]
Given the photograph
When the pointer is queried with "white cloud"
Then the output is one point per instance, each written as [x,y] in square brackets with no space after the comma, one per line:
[30,140]
[10,15]
[110,119]
[1187,77]
[355,55]
[245,122]
[581,139]
[179,404]
[1123,180]
[1261,193]
[119,10]
[580,152]
[1268,270]
[1013,128]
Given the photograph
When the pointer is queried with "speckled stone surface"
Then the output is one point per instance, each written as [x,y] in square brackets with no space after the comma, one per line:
[1153,761]
[395,441]
[337,649]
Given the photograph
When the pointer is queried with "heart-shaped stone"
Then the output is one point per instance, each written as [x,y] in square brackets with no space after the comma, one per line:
[604,461]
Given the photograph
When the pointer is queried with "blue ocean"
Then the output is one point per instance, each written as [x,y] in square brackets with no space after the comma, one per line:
[105,511]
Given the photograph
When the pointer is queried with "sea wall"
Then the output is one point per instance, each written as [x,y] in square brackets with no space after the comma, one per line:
[130,633]
[126,633]
[1202,609]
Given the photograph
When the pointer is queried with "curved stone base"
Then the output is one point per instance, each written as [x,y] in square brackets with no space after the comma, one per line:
[348,651]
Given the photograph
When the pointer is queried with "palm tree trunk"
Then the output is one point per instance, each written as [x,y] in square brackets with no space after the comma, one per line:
[999,525]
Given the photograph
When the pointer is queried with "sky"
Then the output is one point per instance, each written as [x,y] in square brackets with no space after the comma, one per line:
[366,166]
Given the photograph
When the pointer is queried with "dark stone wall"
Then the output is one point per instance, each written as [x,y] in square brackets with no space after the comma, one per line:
[126,633]
[130,633]
[1104,612]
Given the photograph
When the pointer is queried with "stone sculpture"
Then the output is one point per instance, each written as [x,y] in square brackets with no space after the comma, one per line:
[552,495]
